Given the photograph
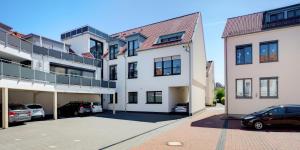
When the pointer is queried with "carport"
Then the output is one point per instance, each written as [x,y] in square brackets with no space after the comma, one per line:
[48,99]
[178,95]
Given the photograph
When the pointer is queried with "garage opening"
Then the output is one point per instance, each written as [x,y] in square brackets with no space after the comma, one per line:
[69,104]
[38,104]
[178,96]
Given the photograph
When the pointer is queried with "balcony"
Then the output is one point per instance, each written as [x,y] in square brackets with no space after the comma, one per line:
[20,72]
[281,23]
[27,47]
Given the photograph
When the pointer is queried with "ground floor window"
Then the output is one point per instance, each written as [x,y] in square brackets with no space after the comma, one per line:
[243,88]
[154,97]
[132,97]
[269,87]
[111,98]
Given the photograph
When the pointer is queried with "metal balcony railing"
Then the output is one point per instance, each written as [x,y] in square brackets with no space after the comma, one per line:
[26,46]
[21,72]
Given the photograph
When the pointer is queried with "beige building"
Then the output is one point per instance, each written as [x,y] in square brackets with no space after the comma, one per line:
[261,60]
[210,83]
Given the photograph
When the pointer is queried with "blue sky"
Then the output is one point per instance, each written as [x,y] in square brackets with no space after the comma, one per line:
[52,17]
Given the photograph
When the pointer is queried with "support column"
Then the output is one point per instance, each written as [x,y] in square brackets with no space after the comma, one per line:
[55,105]
[114,103]
[4,108]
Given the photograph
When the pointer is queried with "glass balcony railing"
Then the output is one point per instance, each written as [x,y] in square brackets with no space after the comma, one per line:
[25,46]
[17,71]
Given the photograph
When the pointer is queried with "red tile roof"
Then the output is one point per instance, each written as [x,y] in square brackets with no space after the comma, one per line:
[243,25]
[87,55]
[153,31]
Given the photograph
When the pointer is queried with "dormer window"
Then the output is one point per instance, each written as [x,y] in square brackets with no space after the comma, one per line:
[170,38]
[293,13]
[277,16]
[113,51]
[133,45]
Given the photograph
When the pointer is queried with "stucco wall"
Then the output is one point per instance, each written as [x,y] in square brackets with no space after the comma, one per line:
[210,82]
[198,82]
[286,69]
[146,80]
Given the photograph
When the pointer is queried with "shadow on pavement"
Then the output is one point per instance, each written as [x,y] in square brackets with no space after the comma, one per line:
[217,121]
[142,117]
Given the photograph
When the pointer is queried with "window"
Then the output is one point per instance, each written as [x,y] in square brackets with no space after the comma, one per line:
[113,51]
[167,66]
[170,38]
[132,70]
[277,111]
[73,33]
[244,88]
[73,71]
[276,16]
[79,31]
[268,52]
[269,87]
[293,13]
[96,48]
[132,47]
[154,97]
[113,72]
[244,54]
[111,98]
[293,110]
[132,97]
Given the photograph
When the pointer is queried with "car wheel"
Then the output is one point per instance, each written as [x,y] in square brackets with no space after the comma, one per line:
[258,125]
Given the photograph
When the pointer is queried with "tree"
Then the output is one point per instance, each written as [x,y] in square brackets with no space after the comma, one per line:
[219,92]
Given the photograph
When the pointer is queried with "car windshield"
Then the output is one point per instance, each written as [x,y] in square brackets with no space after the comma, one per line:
[96,103]
[86,104]
[34,106]
[17,107]
[181,104]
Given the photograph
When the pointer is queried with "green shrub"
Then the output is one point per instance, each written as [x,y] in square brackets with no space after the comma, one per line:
[219,93]
[223,100]
[215,102]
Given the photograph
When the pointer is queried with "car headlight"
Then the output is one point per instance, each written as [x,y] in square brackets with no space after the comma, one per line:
[249,117]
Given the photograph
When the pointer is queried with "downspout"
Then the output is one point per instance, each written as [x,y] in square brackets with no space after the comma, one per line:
[125,69]
[226,76]
[188,49]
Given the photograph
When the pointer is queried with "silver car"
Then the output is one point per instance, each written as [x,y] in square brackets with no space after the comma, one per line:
[37,111]
[17,113]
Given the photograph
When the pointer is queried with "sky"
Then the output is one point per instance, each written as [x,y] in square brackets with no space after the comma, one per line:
[50,18]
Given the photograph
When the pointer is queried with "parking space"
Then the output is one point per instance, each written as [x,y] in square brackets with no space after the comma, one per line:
[24,105]
[28,105]
[104,130]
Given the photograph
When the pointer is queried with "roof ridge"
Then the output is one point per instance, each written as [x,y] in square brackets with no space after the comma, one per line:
[157,22]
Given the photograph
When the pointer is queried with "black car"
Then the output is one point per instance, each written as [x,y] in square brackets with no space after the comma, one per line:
[274,115]
[75,109]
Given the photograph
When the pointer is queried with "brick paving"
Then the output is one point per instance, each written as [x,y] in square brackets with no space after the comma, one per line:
[206,131]
[201,131]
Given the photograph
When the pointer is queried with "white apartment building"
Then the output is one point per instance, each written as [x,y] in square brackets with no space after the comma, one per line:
[146,69]
[155,66]
[35,69]
[261,57]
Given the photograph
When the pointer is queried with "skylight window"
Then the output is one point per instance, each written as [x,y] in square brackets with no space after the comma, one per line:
[170,38]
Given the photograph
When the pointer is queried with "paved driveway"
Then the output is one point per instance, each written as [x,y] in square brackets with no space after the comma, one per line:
[103,131]
[210,131]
